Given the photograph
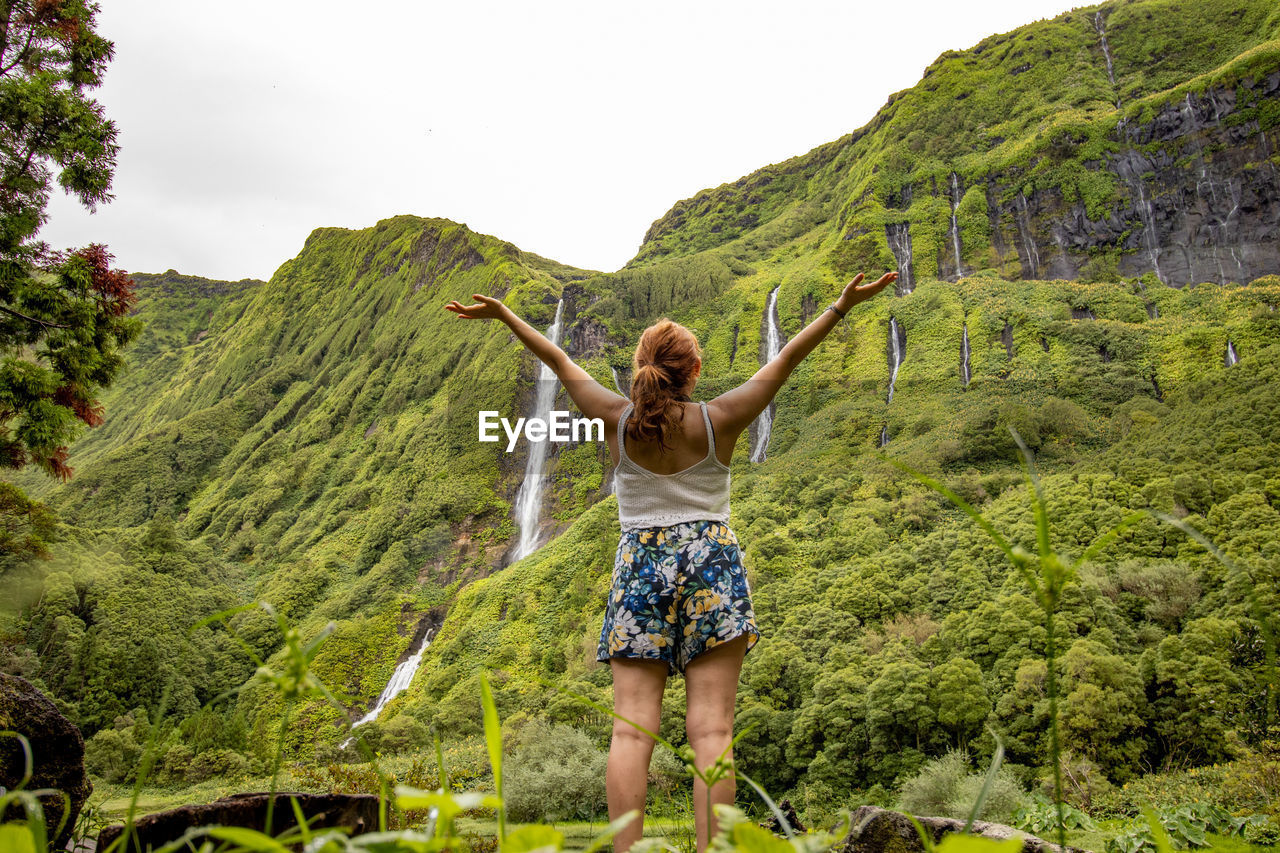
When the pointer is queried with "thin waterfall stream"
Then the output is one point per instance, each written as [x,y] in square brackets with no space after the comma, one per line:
[965,372]
[1106,52]
[400,680]
[773,345]
[1232,358]
[899,237]
[1147,216]
[1028,240]
[529,499]
[955,228]
[897,350]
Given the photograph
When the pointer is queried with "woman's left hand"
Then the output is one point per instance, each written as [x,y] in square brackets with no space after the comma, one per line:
[487,308]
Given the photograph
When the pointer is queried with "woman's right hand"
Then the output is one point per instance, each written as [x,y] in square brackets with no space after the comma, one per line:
[855,291]
[487,308]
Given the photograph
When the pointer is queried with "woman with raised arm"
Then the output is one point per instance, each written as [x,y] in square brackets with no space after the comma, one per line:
[680,600]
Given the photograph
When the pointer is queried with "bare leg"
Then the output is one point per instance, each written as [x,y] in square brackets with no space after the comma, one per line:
[637,695]
[711,681]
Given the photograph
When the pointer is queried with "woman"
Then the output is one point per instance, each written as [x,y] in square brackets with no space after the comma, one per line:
[680,600]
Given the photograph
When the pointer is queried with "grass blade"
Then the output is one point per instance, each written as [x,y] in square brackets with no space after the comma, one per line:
[1015,555]
[1037,495]
[768,801]
[28,762]
[611,830]
[987,783]
[1110,536]
[493,740]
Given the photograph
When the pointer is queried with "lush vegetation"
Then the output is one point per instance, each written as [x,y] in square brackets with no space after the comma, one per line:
[311,442]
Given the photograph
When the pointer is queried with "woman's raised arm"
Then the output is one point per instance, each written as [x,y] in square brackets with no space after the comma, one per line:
[734,410]
[592,399]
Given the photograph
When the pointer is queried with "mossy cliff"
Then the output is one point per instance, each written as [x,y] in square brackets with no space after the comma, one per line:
[1040,154]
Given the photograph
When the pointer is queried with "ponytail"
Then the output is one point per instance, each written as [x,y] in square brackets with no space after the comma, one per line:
[667,358]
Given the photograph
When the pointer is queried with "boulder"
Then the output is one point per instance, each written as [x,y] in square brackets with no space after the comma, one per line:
[357,812]
[57,752]
[877,830]
[772,823]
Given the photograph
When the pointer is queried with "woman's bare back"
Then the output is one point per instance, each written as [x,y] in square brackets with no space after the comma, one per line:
[686,449]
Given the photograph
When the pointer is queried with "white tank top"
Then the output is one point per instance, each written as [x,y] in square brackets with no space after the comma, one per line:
[648,499]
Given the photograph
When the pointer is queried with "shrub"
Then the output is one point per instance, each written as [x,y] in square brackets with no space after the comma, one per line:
[172,766]
[217,762]
[112,754]
[931,791]
[556,773]
[945,788]
[1004,798]
[404,734]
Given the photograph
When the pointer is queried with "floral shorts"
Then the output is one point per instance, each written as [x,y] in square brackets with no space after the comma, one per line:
[677,592]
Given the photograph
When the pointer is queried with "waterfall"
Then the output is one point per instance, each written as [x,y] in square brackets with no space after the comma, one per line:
[1068,270]
[1213,203]
[899,236]
[1149,229]
[773,345]
[897,350]
[965,373]
[955,229]
[399,681]
[1024,228]
[1106,51]
[1234,189]
[1232,358]
[613,474]
[529,499]
[1153,311]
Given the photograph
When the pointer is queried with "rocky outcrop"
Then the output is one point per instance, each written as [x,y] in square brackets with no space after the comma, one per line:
[57,752]
[789,813]
[1199,198]
[357,812]
[587,337]
[877,830]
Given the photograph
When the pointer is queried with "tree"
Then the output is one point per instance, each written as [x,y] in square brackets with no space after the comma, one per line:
[960,698]
[63,315]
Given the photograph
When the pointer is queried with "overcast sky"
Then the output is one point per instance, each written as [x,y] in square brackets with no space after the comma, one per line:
[566,128]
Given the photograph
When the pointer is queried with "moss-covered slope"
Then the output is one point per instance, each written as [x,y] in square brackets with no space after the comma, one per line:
[1038,153]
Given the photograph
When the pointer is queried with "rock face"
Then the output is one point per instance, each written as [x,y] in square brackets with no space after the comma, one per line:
[57,752]
[789,812]
[1200,199]
[877,830]
[358,812]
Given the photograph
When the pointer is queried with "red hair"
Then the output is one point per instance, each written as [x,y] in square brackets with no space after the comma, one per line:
[667,361]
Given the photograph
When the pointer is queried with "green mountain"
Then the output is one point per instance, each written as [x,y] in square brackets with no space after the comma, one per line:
[1126,137]
[312,441]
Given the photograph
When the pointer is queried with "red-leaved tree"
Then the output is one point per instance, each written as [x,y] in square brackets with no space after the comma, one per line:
[63,315]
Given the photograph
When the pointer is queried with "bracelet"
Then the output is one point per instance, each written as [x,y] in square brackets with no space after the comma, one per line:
[839,313]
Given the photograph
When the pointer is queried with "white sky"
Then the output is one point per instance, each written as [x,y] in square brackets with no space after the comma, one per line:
[566,128]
